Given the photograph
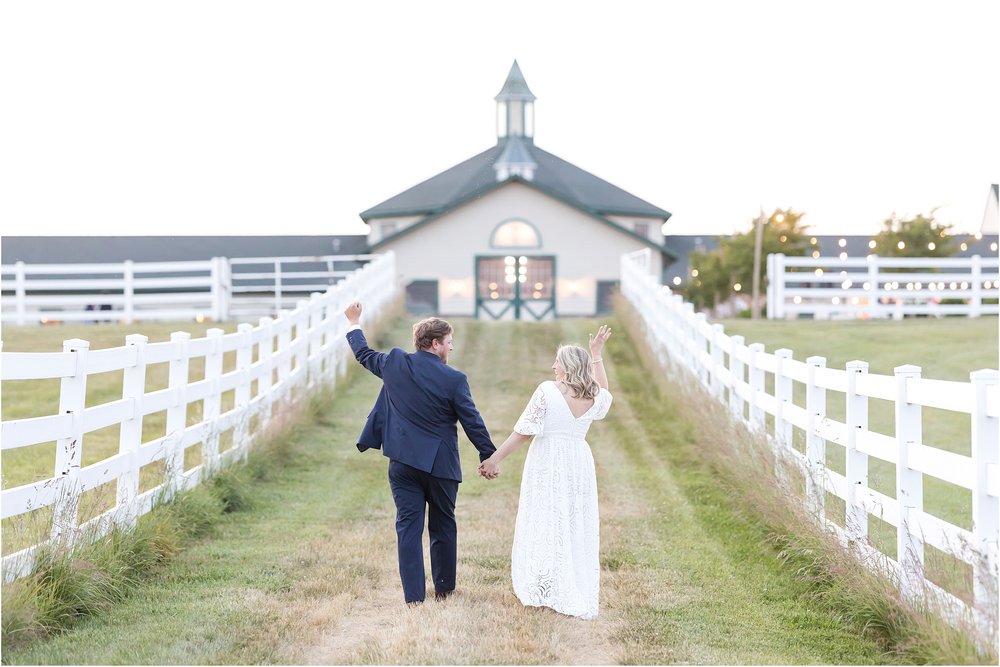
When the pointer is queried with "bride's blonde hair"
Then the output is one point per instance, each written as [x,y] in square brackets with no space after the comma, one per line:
[579,373]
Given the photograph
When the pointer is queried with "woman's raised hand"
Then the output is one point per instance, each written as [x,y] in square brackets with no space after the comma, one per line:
[597,340]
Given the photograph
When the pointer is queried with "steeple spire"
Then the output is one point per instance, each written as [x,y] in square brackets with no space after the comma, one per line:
[515,107]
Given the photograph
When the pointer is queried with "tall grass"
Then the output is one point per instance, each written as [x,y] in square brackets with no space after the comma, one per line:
[743,465]
[67,584]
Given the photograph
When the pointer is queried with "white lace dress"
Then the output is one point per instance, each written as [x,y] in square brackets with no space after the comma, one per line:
[555,561]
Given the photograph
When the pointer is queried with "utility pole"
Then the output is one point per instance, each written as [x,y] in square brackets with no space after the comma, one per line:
[757,243]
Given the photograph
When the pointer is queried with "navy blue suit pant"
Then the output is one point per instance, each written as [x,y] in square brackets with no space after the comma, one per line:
[414,491]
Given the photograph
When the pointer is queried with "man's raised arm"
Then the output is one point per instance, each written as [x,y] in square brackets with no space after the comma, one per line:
[367,357]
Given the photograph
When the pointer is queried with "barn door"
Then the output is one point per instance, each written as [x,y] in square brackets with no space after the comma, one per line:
[515,288]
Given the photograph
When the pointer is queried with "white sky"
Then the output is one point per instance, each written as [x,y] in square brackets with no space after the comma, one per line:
[292,117]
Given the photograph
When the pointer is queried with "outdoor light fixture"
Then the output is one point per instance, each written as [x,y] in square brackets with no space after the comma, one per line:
[677,280]
[901,245]
[842,243]
[737,287]
[872,244]
[818,272]
[931,246]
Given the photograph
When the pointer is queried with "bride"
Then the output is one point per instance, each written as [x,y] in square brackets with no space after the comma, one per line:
[555,560]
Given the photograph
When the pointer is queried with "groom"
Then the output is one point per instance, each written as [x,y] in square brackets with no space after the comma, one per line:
[414,423]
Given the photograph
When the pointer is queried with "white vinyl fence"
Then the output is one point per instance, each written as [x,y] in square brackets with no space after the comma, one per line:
[218,289]
[881,287]
[305,347]
[734,373]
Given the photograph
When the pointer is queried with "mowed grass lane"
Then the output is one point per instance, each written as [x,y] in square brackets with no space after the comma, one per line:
[309,575]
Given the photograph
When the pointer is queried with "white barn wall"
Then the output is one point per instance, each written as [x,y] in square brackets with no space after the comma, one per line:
[586,249]
[655,225]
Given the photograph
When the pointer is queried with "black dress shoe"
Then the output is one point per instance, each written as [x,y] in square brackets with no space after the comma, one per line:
[440,595]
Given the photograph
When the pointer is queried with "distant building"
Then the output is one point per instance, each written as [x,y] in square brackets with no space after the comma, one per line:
[100,249]
[514,232]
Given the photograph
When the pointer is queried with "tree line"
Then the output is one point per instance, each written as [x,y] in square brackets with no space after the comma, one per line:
[718,275]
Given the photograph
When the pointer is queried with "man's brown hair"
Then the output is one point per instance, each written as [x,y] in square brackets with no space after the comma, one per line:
[426,331]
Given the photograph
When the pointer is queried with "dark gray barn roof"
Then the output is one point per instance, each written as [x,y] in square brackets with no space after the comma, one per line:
[72,249]
[475,177]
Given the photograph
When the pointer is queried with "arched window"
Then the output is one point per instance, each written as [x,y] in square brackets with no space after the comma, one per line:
[515,234]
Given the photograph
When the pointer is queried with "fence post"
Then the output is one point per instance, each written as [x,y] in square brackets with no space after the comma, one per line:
[216,290]
[779,288]
[736,373]
[782,396]
[266,378]
[976,301]
[225,288]
[212,403]
[874,308]
[20,293]
[716,355]
[909,485]
[130,432]
[128,271]
[769,300]
[756,376]
[72,401]
[700,340]
[315,335]
[301,345]
[244,359]
[856,472]
[985,508]
[177,412]
[277,286]
[284,345]
[815,444]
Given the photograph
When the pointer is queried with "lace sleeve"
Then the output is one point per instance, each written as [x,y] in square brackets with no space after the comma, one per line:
[603,401]
[533,417]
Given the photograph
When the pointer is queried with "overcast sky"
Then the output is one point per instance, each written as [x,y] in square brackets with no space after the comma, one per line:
[292,117]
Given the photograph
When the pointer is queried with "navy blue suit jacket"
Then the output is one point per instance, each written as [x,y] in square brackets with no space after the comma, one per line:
[414,418]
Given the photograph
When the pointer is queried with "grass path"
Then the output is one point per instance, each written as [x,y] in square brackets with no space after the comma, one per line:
[309,576]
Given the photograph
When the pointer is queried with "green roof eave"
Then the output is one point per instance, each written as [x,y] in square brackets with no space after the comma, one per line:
[517,179]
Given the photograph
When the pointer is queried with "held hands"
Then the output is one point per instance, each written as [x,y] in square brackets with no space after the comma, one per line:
[490,469]
[353,313]
[597,341]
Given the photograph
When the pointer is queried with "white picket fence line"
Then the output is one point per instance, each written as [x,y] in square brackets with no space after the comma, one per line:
[734,373]
[881,287]
[306,347]
[217,289]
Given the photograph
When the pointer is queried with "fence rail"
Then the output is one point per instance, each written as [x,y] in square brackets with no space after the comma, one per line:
[882,287]
[305,347]
[735,373]
[219,289]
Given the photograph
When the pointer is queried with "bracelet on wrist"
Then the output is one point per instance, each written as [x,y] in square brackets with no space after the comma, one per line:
[596,361]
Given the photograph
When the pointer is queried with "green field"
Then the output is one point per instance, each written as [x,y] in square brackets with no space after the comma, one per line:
[945,349]
[23,399]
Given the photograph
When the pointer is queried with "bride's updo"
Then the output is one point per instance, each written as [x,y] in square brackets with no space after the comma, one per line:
[579,373]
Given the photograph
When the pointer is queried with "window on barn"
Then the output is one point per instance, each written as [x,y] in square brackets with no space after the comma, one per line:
[515,234]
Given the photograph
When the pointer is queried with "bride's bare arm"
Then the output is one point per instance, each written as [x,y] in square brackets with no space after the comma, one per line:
[596,351]
[490,468]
